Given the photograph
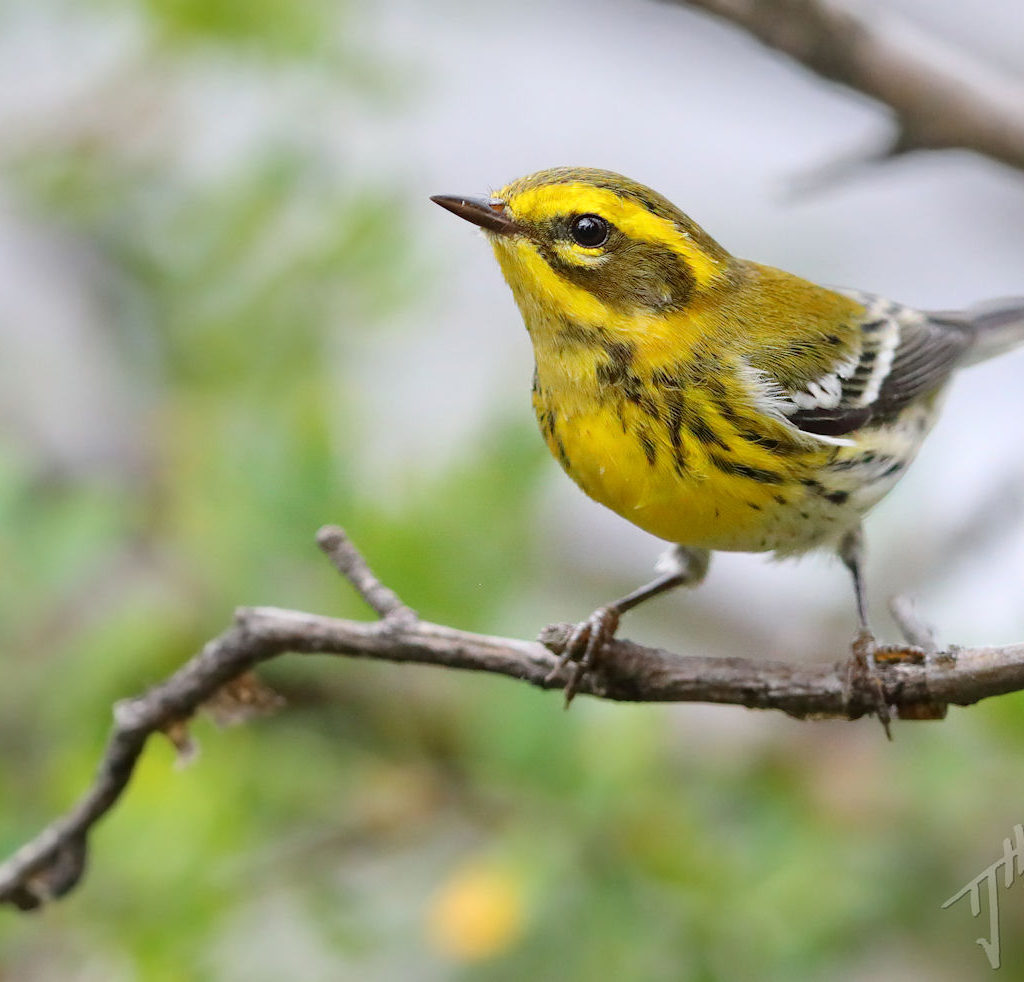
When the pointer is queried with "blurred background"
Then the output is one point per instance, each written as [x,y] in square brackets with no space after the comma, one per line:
[229,314]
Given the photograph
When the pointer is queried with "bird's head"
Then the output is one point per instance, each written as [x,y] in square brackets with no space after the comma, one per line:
[593,246]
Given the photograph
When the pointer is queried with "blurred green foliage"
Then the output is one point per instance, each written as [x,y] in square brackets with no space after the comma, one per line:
[283,27]
[391,823]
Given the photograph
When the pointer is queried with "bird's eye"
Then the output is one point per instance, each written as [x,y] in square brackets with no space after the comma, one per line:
[590,231]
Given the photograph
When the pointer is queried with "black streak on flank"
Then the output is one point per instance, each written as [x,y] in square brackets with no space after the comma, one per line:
[836,497]
[650,448]
[851,463]
[770,443]
[621,416]
[670,386]
[675,421]
[663,379]
[742,470]
[563,457]
[699,427]
[548,419]
[649,406]
[743,425]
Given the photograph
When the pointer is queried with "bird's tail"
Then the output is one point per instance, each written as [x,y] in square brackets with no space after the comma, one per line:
[999,325]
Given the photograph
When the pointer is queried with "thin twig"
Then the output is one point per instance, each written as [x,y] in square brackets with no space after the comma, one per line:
[52,863]
[914,630]
[939,96]
[348,561]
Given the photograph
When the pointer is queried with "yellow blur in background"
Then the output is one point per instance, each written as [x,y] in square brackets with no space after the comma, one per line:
[477,913]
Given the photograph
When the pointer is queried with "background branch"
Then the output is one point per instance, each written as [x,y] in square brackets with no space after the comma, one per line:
[941,98]
[916,683]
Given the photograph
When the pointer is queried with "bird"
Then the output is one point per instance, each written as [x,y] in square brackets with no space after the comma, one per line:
[717,403]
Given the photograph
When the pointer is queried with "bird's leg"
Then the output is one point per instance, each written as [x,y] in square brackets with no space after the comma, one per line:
[679,566]
[867,653]
[861,666]
[851,552]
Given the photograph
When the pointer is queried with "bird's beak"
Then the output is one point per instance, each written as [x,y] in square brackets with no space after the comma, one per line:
[489,215]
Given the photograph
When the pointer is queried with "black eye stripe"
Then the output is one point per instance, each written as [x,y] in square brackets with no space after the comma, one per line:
[589,231]
[632,273]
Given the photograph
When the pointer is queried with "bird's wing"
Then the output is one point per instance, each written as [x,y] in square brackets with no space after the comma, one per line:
[903,355]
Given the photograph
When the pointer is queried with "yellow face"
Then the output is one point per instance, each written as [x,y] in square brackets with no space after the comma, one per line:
[597,246]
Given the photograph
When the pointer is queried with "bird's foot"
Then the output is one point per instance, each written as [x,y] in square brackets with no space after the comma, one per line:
[862,674]
[582,650]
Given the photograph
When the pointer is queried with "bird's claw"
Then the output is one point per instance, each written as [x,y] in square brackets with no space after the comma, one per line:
[583,648]
[861,674]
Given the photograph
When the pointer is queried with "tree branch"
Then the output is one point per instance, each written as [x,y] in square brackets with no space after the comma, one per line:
[917,683]
[940,97]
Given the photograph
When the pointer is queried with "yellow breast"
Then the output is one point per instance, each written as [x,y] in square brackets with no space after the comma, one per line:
[685,475]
